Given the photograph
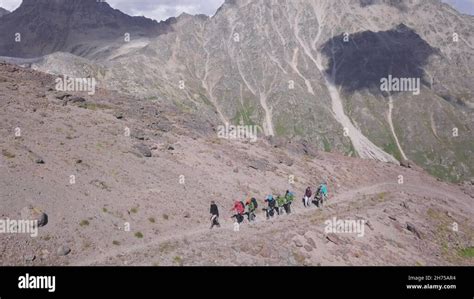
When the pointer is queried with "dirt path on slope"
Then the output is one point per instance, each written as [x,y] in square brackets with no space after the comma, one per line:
[228,227]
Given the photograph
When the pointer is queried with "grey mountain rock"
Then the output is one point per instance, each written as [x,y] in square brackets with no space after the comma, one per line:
[311,70]
[3,12]
[82,27]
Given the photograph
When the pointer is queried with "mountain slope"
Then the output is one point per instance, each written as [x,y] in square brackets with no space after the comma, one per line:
[80,27]
[286,68]
[311,70]
[163,198]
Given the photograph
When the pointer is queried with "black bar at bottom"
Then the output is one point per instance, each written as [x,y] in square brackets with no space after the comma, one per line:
[428,282]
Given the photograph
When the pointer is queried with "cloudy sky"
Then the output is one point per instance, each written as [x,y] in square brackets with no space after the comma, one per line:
[155,9]
[163,9]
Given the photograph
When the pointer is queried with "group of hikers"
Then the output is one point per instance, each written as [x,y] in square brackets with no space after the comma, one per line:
[274,205]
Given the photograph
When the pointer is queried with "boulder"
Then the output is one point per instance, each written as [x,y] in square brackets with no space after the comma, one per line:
[334,239]
[30,258]
[311,242]
[34,214]
[369,224]
[162,125]
[298,243]
[62,96]
[76,99]
[39,160]
[138,134]
[143,150]
[412,228]
[284,159]
[63,250]
[261,164]
[405,163]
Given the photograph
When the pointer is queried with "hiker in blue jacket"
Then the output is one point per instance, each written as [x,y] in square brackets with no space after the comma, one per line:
[324,190]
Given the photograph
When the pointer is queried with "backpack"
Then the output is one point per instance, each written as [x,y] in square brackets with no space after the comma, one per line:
[255,203]
[281,201]
[271,203]
[318,192]
[324,189]
[242,205]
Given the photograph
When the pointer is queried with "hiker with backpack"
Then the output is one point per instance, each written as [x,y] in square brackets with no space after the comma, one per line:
[239,209]
[271,206]
[289,197]
[214,215]
[252,206]
[280,204]
[321,194]
[318,201]
[323,189]
[307,197]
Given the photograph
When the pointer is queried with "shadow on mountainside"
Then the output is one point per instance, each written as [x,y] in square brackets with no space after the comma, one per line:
[365,57]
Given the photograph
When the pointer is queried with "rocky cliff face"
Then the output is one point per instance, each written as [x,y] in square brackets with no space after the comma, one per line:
[3,12]
[40,27]
[312,70]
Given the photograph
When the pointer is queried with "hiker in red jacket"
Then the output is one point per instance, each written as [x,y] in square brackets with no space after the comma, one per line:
[239,208]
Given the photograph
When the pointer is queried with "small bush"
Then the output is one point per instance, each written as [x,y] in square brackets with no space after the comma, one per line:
[299,258]
[467,252]
[84,223]
[178,260]
[7,154]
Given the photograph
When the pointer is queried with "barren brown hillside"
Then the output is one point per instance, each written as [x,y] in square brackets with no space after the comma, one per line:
[160,179]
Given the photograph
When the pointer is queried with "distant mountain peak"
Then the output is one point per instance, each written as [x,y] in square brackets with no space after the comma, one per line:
[73,4]
[61,2]
[76,26]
